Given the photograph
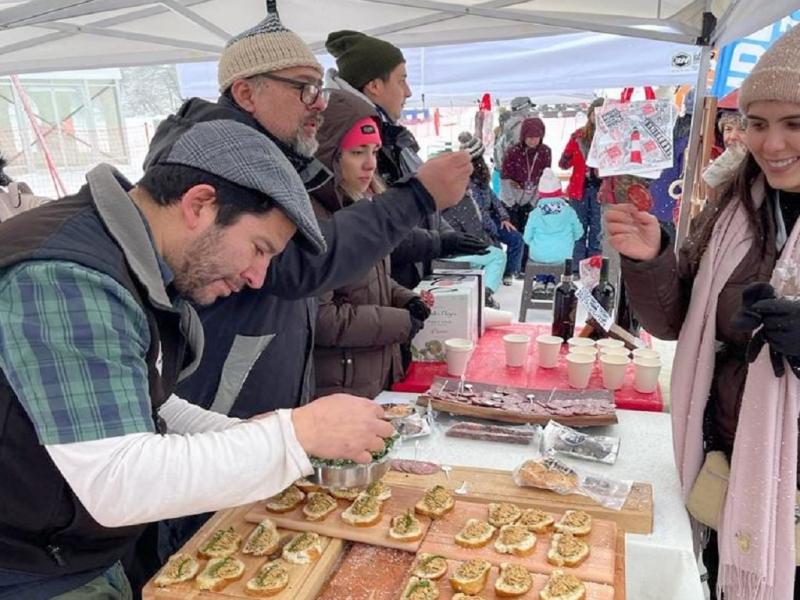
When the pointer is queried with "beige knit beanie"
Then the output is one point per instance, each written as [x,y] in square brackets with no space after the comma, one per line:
[776,76]
[267,47]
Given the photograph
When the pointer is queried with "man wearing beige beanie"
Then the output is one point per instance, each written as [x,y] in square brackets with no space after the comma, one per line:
[258,351]
[730,298]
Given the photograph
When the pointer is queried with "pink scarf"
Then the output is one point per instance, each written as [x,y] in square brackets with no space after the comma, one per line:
[756,536]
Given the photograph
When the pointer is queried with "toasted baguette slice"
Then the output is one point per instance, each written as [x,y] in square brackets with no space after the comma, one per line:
[345,493]
[503,513]
[268,581]
[405,528]
[264,540]
[287,500]
[303,548]
[563,586]
[420,589]
[319,505]
[475,534]
[306,486]
[470,576]
[460,596]
[363,512]
[516,540]
[566,550]
[577,522]
[379,490]
[221,543]
[436,502]
[430,566]
[536,520]
[180,567]
[514,580]
[218,573]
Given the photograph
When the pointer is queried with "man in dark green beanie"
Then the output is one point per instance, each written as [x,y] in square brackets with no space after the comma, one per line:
[375,70]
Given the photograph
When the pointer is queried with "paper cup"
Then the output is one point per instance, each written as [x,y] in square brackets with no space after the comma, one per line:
[609,343]
[496,318]
[579,369]
[613,367]
[615,352]
[457,352]
[549,348]
[645,380]
[646,353]
[517,345]
[587,350]
[579,341]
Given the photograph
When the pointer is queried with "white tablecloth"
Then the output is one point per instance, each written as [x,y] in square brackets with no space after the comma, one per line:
[660,565]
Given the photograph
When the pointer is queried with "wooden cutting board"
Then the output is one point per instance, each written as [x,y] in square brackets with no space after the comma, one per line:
[402,499]
[594,591]
[516,416]
[492,485]
[305,581]
[598,566]
[358,579]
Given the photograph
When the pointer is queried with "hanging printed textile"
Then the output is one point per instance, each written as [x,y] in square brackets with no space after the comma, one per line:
[633,138]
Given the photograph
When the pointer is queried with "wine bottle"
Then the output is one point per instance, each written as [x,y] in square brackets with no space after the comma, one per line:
[625,317]
[565,304]
[604,292]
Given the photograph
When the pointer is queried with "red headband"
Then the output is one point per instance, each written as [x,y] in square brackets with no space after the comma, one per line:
[364,132]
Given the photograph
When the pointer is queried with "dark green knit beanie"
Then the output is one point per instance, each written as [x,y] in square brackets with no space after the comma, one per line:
[361,58]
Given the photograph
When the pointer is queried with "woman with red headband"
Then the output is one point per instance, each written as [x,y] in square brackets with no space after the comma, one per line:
[359,327]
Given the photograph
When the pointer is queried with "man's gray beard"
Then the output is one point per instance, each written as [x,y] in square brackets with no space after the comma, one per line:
[304,145]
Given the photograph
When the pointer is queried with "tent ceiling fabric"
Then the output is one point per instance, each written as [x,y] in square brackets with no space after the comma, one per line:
[50,35]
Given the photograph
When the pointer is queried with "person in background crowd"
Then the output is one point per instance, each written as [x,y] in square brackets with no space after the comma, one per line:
[584,184]
[726,161]
[553,227]
[375,70]
[522,168]
[730,298]
[259,346]
[359,326]
[731,125]
[507,135]
[15,196]
[95,330]
[471,217]
[496,221]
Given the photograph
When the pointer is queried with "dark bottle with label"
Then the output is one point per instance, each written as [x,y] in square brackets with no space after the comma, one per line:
[604,292]
[565,304]
[625,317]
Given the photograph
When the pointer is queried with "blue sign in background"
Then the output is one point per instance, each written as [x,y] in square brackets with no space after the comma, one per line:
[738,58]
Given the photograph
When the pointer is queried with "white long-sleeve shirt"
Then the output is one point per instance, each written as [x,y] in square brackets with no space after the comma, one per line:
[205,463]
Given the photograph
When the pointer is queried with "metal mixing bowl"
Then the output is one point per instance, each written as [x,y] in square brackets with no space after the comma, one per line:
[352,475]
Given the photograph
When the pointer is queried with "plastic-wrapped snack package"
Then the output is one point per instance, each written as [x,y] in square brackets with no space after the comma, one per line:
[407,419]
[549,473]
[522,435]
[565,440]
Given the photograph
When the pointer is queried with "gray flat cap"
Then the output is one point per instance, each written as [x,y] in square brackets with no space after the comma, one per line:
[242,155]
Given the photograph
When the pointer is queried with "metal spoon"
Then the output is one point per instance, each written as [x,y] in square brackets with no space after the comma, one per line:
[462,489]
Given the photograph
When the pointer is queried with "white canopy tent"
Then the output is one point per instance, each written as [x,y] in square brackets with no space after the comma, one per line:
[47,35]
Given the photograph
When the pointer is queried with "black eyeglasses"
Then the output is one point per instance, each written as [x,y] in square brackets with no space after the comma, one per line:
[310,91]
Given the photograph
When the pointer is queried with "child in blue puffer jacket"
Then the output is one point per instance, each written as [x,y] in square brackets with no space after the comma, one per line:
[553,226]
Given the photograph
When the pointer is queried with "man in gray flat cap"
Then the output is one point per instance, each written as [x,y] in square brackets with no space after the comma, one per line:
[94,333]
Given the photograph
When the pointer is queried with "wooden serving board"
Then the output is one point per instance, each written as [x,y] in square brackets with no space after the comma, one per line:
[594,591]
[358,579]
[305,581]
[598,566]
[402,499]
[519,417]
[493,485]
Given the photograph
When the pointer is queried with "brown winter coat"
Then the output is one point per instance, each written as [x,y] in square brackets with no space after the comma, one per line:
[660,290]
[359,326]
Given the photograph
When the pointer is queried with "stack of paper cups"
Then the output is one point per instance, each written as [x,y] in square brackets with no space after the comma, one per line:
[457,352]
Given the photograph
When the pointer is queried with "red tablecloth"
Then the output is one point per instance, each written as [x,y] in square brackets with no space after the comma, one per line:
[488,365]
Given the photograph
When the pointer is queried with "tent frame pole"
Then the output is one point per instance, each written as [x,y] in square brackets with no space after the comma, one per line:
[693,151]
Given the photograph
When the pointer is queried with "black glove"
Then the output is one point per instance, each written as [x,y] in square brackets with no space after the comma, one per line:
[416,326]
[779,322]
[455,243]
[418,309]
